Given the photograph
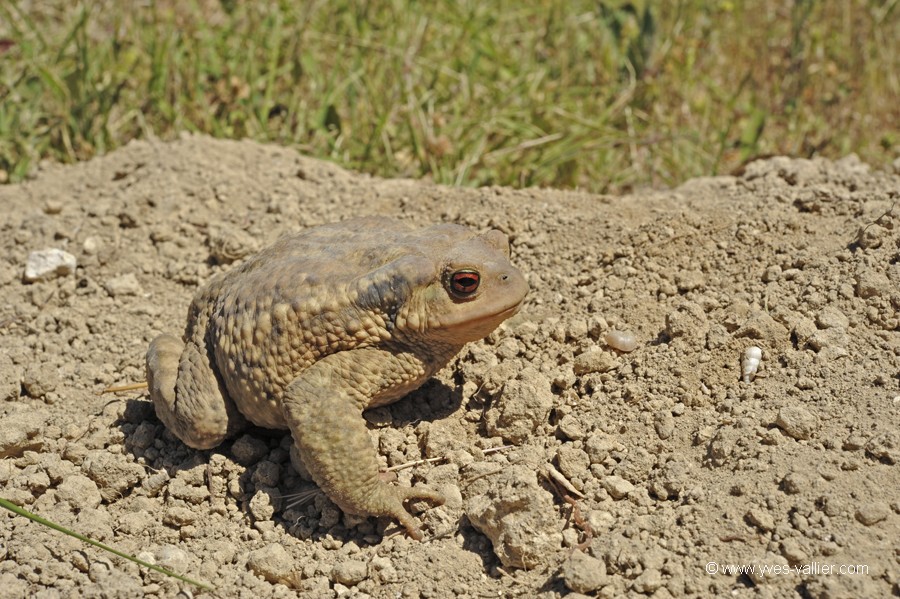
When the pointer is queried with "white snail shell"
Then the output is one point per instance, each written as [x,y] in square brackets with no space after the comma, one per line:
[623,341]
[750,363]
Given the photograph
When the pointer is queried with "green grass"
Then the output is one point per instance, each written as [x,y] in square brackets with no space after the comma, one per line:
[599,95]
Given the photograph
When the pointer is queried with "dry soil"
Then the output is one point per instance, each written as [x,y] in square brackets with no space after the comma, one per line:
[654,472]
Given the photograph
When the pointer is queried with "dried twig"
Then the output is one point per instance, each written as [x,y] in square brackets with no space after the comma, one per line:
[557,477]
[566,490]
[128,387]
[415,463]
[441,458]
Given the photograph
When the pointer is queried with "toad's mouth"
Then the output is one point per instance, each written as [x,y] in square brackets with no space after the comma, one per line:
[508,312]
[495,317]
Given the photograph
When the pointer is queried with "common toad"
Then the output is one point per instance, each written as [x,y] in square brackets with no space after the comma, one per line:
[323,325]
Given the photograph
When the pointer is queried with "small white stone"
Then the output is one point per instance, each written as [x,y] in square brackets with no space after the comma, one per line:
[92,245]
[47,264]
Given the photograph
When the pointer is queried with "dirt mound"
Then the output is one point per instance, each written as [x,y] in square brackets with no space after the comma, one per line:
[676,468]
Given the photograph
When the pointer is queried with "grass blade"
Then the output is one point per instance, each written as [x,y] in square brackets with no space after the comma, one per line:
[35,518]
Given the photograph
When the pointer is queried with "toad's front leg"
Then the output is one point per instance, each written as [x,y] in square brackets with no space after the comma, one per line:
[323,408]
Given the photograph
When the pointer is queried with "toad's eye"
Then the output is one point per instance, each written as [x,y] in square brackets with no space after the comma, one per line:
[464,283]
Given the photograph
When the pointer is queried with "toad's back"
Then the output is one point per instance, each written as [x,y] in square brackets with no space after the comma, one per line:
[310,295]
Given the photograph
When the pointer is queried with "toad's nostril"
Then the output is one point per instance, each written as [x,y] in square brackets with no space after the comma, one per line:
[504,277]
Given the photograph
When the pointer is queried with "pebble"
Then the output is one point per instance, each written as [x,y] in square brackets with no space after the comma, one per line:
[830,318]
[248,450]
[227,245]
[383,570]
[20,432]
[79,491]
[872,513]
[266,474]
[596,327]
[761,519]
[43,265]
[136,523]
[802,327]
[350,572]
[595,360]
[664,423]
[173,558]
[573,462]
[722,445]
[52,206]
[854,442]
[563,380]
[598,446]
[578,329]
[92,245]
[871,283]
[126,284]
[155,482]
[179,516]
[144,435]
[571,427]
[272,562]
[617,486]
[583,573]
[523,405]
[40,381]
[793,552]
[833,339]
[511,509]
[648,582]
[33,479]
[756,573]
[805,383]
[794,483]
[114,474]
[262,505]
[508,348]
[688,280]
[687,320]
[796,422]
[760,325]
[883,446]
[772,274]
[600,519]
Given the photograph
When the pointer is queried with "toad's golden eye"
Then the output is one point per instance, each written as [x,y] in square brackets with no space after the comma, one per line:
[464,283]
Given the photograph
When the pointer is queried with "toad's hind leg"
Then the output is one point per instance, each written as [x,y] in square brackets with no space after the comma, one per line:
[188,396]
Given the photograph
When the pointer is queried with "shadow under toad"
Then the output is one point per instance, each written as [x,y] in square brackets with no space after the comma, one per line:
[254,472]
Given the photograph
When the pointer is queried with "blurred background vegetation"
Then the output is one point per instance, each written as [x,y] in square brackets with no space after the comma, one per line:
[603,95]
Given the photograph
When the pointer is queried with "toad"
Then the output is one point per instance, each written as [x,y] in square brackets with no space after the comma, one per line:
[322,325]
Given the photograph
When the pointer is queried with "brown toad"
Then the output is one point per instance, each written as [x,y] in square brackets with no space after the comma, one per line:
[323,325]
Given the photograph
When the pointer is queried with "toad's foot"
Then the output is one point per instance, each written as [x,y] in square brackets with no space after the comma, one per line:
[387,500]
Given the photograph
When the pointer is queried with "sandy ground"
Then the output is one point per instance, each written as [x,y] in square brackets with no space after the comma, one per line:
[677,469]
